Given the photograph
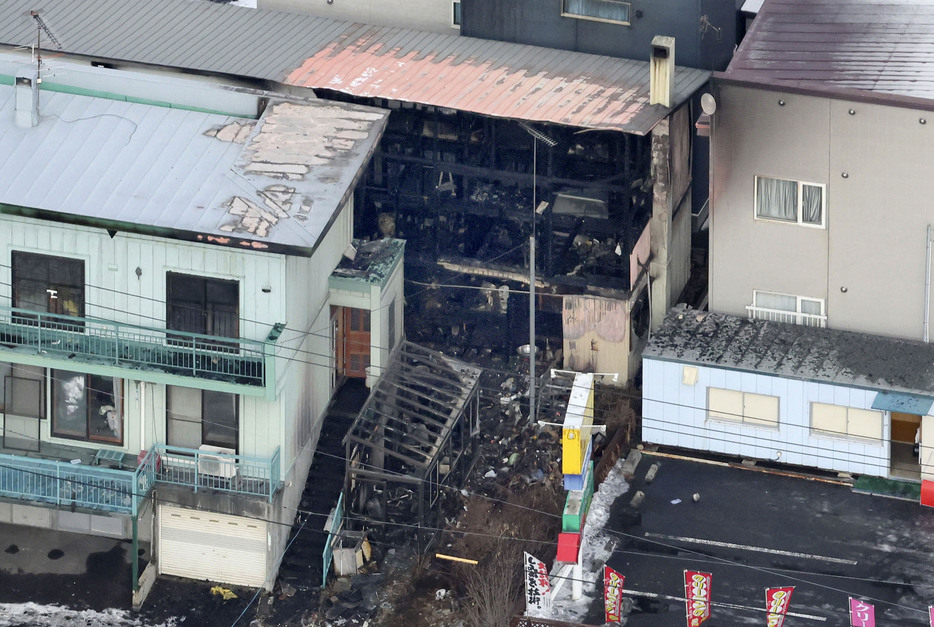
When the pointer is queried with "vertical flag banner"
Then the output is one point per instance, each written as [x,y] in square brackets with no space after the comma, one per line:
[537,585]
[777,601]
[862,614]
[931,613]
[612,595]
[697,595]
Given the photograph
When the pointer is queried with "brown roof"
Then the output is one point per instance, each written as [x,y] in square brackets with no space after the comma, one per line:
[885,47]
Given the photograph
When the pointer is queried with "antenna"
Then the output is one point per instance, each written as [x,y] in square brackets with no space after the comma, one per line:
[41,27]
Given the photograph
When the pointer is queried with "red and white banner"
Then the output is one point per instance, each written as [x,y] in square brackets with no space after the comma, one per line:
[862,614]
[776,602]
[537,584]
[697,594]
[612,595]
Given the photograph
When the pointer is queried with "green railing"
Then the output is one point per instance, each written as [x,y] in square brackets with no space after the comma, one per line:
[72,485]
[64,484]
[104,345]
[213,470]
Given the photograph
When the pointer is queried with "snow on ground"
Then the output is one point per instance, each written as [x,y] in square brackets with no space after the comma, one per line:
[22,614]
[597,548]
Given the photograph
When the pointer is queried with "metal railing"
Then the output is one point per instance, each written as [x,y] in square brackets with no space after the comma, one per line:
[211,470]
[136,347]
[71,485]
[790,317]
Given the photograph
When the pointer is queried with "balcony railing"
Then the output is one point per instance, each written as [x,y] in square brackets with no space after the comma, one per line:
[107,347]
[791,317]
[64,484]
[211,470]
[72,485]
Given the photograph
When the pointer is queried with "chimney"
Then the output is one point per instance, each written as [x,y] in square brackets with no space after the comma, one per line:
[26,96]
[662,70]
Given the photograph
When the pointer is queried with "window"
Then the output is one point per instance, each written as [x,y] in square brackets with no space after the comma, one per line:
[196,417]
[23,405]
[600,10]
[744,407]
[204,306]
[48,284]
[456,14]
[87,407]
[790,201]
[846,422]
[800,310]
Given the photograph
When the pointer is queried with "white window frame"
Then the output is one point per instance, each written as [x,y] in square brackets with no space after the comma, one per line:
[857,412]
[456,16]
[747,399]
[800,191]
[798,316]
[582,16]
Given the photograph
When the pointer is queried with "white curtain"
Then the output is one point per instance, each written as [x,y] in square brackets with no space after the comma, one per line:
[811,204]
[603,9]
[770,300]
[776,199]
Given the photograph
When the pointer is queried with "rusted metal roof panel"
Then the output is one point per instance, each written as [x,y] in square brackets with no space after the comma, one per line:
[492,78]
[878,46]
[486,77]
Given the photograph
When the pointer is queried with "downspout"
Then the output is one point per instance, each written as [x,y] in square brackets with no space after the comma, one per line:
[927,288]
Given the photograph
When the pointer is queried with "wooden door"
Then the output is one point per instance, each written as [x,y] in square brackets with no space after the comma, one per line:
[355,342]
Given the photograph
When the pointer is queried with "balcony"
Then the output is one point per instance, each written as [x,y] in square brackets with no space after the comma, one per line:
[65,484]
[153,354]
[791,317]
[213,470]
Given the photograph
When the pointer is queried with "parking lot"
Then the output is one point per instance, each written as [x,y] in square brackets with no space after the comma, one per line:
[755,529]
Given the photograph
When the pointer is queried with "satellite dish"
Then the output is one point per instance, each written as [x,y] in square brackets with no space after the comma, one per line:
[708,104]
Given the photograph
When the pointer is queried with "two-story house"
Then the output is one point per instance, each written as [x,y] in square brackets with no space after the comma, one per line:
[816,351]
[170,332]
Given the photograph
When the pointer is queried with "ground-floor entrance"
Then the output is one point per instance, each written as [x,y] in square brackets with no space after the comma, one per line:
[214,547]
[905,441]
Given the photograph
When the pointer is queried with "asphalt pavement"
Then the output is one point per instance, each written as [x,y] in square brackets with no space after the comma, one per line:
[752,530]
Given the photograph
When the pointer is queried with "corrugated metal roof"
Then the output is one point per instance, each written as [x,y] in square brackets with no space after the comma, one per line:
[879,46]
[794,351]
[481,76]
[274,181]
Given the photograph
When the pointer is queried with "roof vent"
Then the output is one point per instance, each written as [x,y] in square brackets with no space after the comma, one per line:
[27,98]
[662,70]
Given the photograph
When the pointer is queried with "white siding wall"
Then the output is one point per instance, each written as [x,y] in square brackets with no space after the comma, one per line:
[675,414]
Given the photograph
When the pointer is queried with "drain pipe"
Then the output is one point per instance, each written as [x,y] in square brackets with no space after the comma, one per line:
[927,289]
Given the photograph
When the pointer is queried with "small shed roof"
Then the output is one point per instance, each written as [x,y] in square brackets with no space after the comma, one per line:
[794,351]
[878,46]
[486,77]
[276,181]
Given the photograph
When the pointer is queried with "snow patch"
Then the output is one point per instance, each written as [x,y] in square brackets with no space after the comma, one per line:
[21,614]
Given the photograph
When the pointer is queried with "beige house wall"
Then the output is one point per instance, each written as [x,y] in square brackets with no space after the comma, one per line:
[868,262]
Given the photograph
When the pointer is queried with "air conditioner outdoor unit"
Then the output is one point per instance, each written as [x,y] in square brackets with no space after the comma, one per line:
[217,465]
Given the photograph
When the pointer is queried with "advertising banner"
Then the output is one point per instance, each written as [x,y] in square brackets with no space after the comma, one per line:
[697,594]
[777,601]
[862,614]
[537,585]
[612,594]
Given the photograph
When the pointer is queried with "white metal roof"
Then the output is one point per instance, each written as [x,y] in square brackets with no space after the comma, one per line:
[267,183]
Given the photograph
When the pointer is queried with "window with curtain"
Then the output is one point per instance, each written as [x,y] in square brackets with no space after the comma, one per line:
[602,10]
[87,407]
[744,407]
[846,422]
[790,201]
[801,310]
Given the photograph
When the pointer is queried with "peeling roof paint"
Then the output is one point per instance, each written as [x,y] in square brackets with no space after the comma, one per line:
[278,180]
[794,351]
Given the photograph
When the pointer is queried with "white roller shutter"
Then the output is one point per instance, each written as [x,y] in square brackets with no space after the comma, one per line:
[214,547]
